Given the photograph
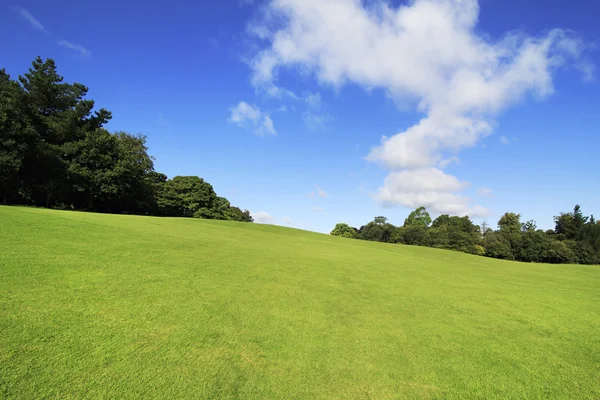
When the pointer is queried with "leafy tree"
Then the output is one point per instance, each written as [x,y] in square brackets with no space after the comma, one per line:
[235,214]
[529,226]
[415,234]
[380,220]
[454,233]
[533,246]
[510,223]
[344,230]
[497,246]
[185,196]
[16,136]
[54,150]
[418,217]
[558,252]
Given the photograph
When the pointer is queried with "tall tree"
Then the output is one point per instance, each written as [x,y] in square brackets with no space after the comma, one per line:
[420,216]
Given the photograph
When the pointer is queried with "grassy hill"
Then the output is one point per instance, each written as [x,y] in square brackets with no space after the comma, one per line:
[114,306]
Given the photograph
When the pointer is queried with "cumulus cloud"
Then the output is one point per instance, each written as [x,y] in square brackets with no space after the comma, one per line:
[245,114]
[427,53]
[262,217]
[27,16]
[287,221]
[75,47]
[428,187]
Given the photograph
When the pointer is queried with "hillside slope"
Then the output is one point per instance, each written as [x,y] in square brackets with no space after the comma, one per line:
[115,306]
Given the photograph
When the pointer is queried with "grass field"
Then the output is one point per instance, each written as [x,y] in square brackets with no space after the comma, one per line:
[106,306]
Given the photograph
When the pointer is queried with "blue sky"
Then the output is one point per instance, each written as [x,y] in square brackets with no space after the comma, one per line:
[487,107]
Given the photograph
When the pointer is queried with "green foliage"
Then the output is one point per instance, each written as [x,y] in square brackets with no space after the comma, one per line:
[413,234]
[497,246]
[344,230]
[418,217]
[512,241]
[378,230]
[54,152]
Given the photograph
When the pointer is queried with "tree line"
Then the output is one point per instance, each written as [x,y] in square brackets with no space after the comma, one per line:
[55,152]
[575,238]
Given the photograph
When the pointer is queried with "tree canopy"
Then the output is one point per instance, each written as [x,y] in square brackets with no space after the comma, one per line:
[575,239]
[55,151]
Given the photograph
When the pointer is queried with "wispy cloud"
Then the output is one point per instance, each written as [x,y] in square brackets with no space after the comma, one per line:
[27,16]
[245,114]
[319,209]
[75,47]
[504,140]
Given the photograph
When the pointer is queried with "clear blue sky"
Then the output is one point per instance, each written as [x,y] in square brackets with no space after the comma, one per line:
[282,105]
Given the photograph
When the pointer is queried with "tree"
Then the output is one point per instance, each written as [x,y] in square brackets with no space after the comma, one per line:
[380,220]
[510,223]
[185,196]
[529,226]
[414,234]
[235,214]
[16,137]
[454,233]
[344,230]
[418,217]
[54,151]
[497,246]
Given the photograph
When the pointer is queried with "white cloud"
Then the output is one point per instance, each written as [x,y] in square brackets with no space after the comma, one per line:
[248,114]
[484,192]
[287,221]
[75,47]
[262,217]
[428,187]
[27,16]
[427,53]
[503,140]
[319,209]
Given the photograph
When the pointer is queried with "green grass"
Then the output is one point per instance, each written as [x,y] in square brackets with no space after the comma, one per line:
[106,306]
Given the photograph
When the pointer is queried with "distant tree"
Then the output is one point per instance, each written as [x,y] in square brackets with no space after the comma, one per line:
[529,226]
[510,223]
[380,220]
[372,231]
[413,234]
[497,246]
[344,230]
[186,196]
[235,214]
[455,233]
[418,217]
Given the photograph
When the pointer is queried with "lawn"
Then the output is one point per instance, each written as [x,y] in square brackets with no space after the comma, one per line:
[108,306]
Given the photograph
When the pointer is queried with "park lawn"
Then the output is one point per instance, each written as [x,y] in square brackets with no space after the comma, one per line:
[110,306]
